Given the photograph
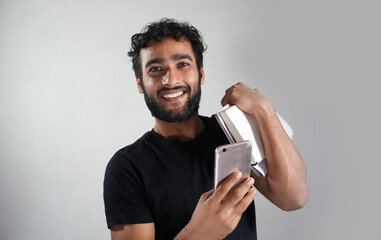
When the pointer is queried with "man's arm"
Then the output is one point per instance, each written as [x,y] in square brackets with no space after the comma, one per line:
[285,183]
[144,231]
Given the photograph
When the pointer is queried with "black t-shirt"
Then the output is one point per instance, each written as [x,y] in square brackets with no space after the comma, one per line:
[160,180]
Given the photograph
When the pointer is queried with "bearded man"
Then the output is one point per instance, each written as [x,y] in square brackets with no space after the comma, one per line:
[161,186]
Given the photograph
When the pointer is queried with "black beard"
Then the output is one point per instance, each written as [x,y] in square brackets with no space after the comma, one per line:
[159,112]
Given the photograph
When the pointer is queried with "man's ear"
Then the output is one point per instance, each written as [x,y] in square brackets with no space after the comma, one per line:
[140,89]
[202,75]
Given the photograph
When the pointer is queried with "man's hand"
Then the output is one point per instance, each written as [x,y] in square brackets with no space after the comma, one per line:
[247,99]
[218,212]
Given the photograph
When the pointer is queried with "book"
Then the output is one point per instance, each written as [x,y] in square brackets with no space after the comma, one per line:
[239,126]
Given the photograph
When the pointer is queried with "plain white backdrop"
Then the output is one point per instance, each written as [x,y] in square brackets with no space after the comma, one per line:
[68,101]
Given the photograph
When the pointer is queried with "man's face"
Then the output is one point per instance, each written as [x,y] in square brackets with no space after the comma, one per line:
[171,80]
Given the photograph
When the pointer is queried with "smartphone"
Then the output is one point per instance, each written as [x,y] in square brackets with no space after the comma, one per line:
[231,157]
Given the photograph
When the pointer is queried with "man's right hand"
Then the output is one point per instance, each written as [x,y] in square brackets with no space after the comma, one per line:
[219,211]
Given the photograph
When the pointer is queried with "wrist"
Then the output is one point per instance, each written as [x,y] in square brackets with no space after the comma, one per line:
[264,111]
[190,233]
[185,234]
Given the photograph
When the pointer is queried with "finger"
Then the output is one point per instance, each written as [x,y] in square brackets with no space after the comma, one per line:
[236,195]
[227,185]
[224,101]
[241,84]
[228,98]
[242,205]
[228,90]
[225,98]
[206,195]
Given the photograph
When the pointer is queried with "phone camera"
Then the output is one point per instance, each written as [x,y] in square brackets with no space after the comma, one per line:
[224,149]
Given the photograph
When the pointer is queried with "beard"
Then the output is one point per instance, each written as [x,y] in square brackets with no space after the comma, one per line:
[159,112]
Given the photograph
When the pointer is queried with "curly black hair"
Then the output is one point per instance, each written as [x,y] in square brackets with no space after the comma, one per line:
[157,31]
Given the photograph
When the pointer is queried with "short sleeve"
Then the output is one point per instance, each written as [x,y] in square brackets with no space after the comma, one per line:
[124,193]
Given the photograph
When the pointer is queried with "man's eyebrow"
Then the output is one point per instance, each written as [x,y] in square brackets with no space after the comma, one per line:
[182,56]
[174,58]
[155,60]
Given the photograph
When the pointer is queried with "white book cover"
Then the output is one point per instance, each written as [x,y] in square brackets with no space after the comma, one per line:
[239,126]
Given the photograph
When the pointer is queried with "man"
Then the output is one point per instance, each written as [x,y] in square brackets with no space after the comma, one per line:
[161,186]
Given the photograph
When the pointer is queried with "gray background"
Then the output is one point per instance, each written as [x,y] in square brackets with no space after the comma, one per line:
[68,101]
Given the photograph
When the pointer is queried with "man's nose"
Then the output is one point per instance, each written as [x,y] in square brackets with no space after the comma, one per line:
[171,78]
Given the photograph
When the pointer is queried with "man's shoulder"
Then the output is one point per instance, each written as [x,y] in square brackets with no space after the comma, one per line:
[132,152]
[134,147]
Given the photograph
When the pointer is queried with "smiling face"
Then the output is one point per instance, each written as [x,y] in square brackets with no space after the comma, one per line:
[171,81]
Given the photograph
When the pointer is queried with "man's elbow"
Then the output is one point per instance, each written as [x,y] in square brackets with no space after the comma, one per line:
[296,202]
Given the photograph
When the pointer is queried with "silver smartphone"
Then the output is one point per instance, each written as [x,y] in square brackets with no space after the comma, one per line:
[231,157]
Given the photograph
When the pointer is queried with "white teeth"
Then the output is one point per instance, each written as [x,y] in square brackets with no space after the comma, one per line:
[174,95]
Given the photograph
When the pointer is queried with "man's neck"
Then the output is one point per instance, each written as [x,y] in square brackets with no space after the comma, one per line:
[182,131]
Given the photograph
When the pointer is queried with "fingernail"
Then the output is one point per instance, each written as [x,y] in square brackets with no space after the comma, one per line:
[250,183]
[238,174]
[253,190]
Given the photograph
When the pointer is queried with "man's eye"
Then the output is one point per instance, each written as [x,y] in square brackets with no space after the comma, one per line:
[183,64]
[155,69]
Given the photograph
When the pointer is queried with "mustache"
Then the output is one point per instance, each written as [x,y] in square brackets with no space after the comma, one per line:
[185,88]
